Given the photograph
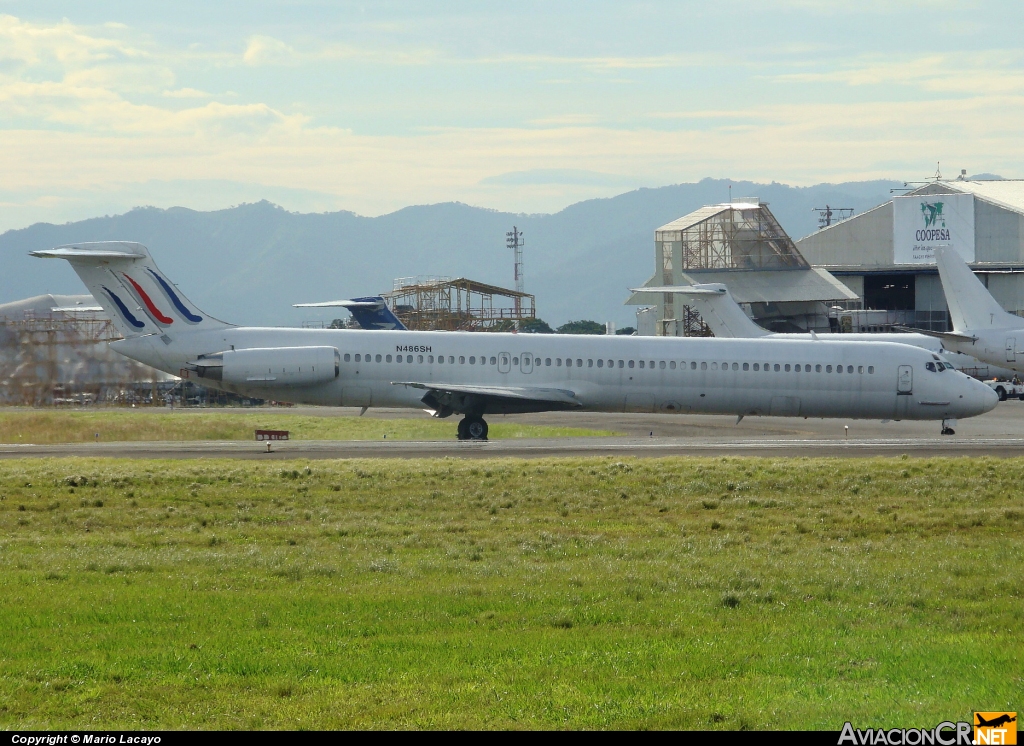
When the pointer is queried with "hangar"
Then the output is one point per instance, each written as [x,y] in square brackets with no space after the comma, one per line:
[885,255]
[741,244]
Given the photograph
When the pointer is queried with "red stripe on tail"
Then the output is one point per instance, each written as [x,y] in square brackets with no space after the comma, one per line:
[149,303]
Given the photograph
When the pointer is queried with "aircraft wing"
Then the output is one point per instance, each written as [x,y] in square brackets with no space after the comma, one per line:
[951,336]
[527,393]
[447,398]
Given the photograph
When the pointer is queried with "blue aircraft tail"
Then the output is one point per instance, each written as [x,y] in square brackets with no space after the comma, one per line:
[371,312]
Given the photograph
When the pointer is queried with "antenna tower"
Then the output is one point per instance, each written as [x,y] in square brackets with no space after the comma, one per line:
[828,215]
[514,241]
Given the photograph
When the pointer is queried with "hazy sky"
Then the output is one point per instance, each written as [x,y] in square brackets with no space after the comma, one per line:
[519,106]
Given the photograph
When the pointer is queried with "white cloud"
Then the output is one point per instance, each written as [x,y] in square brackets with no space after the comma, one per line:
[266,50]
[601,62]
[81,81]
[976,73]
[84,110]
[29,43]
[186,93]
[800,144]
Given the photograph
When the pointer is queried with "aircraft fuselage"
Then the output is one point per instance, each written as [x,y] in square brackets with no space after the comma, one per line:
[603,373]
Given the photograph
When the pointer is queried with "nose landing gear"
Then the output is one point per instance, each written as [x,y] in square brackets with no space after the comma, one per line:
[947,427]
[472,427]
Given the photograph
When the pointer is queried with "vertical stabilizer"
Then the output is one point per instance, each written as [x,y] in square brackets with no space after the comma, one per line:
[125,281]
[720,311]
[971,306]
[373,313]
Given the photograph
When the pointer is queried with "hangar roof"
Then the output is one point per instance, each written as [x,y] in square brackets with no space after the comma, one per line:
[43,305]
[703,213]
[1008,193]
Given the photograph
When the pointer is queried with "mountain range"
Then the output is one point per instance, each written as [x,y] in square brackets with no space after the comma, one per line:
[249,263]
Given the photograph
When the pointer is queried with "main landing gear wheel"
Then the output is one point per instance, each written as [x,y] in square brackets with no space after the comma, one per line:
[473,428]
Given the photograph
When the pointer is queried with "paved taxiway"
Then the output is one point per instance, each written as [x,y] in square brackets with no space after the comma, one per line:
[998,433]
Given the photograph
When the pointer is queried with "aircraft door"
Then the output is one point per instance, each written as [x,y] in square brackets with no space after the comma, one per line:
[526,362]
[1011,351]
[905,382]
[504,362]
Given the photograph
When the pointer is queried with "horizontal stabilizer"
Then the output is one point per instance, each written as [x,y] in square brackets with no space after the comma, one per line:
[710,289]
[951,336]
[74,252]
[371,312]
[341,304]
[717,308]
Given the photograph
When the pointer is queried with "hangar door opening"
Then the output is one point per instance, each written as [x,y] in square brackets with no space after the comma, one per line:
[889,292]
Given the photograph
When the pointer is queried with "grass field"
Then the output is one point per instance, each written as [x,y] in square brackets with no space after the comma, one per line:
[124,424]
[577,593]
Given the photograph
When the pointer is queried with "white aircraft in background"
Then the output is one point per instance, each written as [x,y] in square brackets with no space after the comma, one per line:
[726,318]
[476,374]
[980,325]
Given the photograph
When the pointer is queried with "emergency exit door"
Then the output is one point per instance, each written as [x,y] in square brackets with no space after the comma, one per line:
[1011,349]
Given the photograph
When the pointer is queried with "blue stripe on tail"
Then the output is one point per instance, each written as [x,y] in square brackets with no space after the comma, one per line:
[173,298]
[123,309]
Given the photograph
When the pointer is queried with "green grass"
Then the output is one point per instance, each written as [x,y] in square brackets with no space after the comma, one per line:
[576,593]
[126,425]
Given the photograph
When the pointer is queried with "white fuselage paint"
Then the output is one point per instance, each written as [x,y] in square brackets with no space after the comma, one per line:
[713,376]
[956,353]
[996,347]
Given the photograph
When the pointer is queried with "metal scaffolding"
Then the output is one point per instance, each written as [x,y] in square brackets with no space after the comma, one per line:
[742,234]
[61,358]
[442,303]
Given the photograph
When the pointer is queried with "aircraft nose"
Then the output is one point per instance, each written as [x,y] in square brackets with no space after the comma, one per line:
[978,398]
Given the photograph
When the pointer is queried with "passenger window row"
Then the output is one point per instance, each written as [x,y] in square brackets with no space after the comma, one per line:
[642,364]
[473,360]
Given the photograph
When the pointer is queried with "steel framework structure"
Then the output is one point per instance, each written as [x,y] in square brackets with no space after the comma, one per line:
[442,303]
[61,357]
[742,234]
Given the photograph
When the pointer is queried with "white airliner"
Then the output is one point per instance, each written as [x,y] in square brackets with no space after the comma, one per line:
[476,374]
[980,325]
[726,318]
